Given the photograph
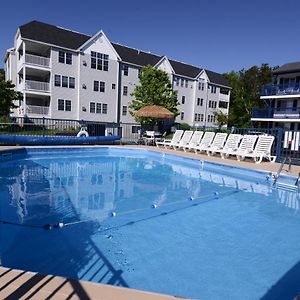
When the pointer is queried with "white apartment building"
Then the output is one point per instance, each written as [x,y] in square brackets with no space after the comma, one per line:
[68,75]
[282,97]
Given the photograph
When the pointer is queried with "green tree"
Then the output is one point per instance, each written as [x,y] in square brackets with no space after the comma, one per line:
[245,93]
[221,118]
[7,95]
[155,88]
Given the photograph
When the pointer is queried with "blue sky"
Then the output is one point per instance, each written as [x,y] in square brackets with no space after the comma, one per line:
[221,35]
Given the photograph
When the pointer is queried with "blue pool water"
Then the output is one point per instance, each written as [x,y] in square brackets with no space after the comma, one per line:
[237,239]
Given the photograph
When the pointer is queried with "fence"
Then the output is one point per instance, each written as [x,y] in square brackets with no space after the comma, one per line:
[55,127]
[286,144]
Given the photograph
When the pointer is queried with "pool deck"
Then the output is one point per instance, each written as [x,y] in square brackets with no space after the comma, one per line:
[16,284]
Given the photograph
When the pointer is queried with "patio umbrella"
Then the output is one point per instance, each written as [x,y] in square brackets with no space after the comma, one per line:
[154,111]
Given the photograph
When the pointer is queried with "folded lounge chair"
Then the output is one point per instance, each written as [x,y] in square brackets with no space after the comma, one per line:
[246,146]
[216,144]
[261,150]
[194,141]
[175,139]
[184,140]
[205,142]
[232,144]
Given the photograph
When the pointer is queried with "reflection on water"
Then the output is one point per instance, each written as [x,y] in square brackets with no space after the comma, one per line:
[97,187]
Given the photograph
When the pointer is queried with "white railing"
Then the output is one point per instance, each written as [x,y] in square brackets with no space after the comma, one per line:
[39,110]
[32,85]
[37,60]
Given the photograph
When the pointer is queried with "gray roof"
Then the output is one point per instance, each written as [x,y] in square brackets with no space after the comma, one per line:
[288,68]
[53,35]
[135,56]
[50,34]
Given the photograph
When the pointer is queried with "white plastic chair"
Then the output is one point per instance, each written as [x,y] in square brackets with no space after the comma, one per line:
[175,139]
[194,141]
[261,150]
[205,142]
[216,144]
[184,140]
[246,146]
[232,144]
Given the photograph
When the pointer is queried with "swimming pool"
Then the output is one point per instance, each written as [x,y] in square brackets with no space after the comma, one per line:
[150,221]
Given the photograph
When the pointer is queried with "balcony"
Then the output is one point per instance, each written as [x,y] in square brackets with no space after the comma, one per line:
[280,90]
[38,110]
[37,60]
[278,113]
[37,86]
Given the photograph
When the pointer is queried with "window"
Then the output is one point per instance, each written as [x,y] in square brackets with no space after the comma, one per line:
[71,82]
[135,129]
[198,101]
[202,86]
[177,81]
[213,89]
[113,86]
[182,116]
[209,104]
[224,91]
[124,111]
[61,104]
[182,82]
[65,57]
[208,118]
[64,82]
[223,104]
[96,85]
[104,108]
[61,57]
[68,105]
[57,80]
[102,86]
[201,117]
[197,117]
[92,107]
[182,99]
[99,61]
[68,58]
[125,69]
[186,83]
[98,108]
[125,90]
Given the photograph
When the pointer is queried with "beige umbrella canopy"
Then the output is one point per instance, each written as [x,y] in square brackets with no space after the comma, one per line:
[154,111]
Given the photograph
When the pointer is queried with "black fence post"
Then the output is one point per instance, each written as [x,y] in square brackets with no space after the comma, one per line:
[43,126]
[279,142]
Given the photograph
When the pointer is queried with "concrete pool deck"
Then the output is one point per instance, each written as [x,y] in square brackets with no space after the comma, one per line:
[17,284]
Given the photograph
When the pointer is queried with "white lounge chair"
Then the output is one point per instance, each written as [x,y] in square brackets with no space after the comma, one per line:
[183,141]
[216,144]
[205,142]
[194,141]
[261,150]
[232,144]
[175,139]
[246,146]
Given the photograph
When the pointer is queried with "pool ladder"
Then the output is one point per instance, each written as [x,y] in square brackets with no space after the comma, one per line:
[291,187]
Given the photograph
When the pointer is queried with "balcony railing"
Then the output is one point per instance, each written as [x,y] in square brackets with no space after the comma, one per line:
[280,89]
[38,110]
[278,113]
[37,60]
[31,85]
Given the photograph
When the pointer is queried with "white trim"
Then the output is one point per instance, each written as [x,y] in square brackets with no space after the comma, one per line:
[280,96]
[286,120]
